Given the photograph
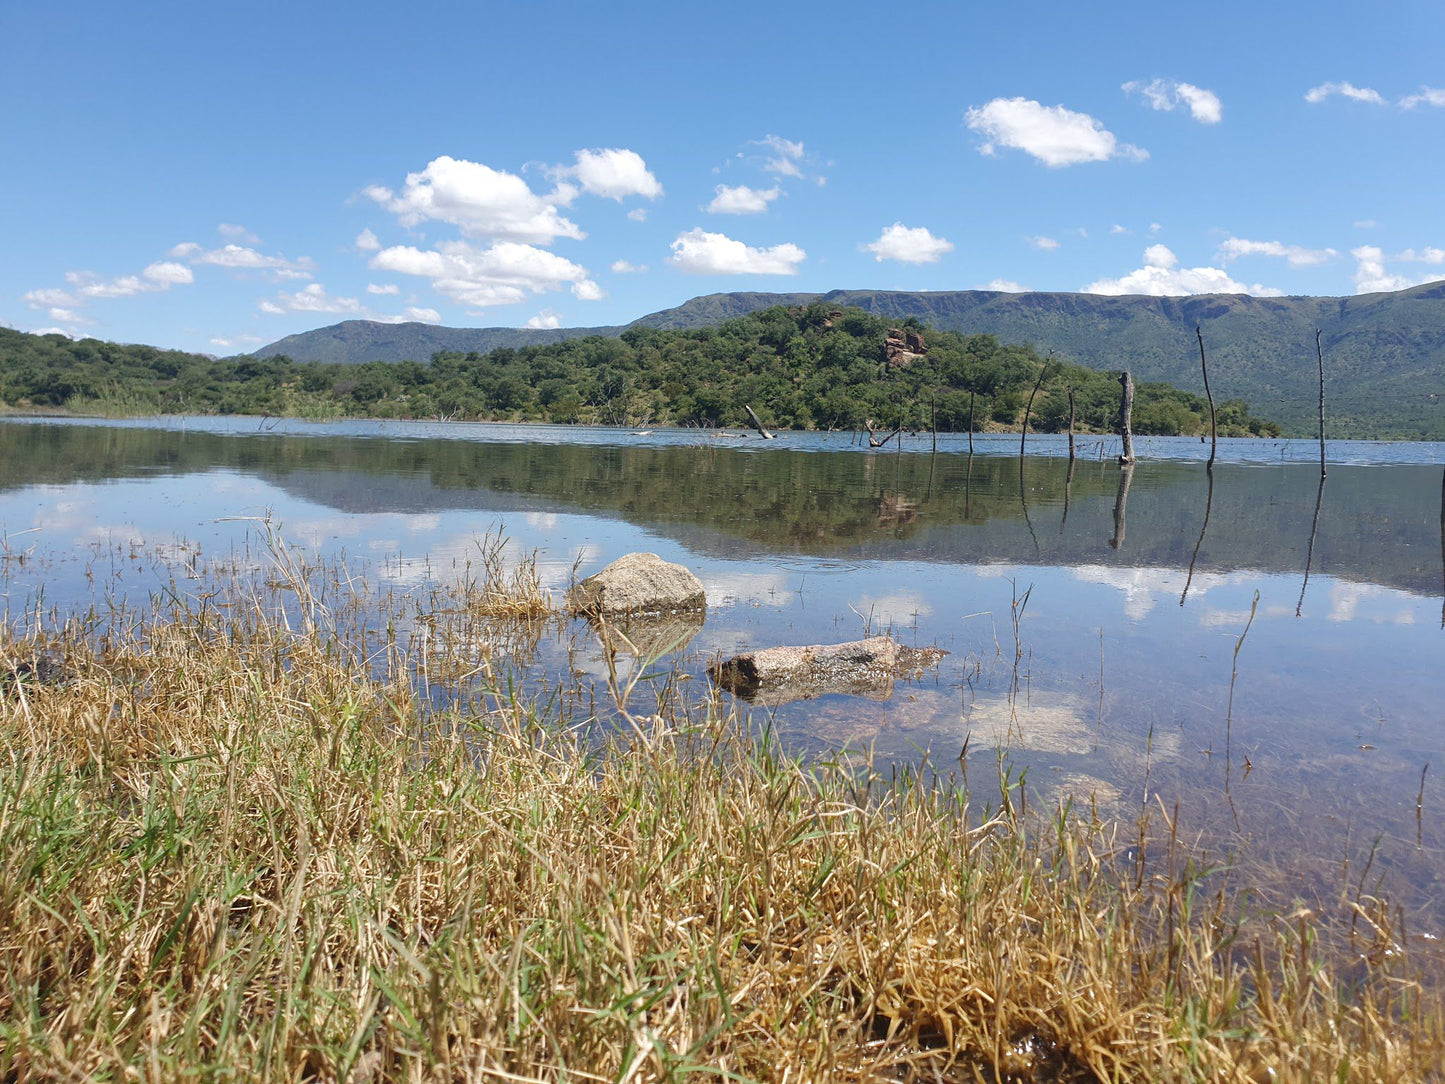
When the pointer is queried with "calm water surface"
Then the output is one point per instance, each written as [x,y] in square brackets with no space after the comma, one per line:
[1131,591]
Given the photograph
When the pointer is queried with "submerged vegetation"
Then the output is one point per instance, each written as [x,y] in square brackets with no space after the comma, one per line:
[281,827]
[801,368]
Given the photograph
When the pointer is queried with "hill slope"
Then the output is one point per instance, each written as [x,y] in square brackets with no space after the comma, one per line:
[1385,353]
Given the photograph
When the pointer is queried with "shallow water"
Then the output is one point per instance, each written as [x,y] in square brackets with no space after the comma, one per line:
[1113,686]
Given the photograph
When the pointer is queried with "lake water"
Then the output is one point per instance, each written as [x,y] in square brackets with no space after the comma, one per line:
[1091,615]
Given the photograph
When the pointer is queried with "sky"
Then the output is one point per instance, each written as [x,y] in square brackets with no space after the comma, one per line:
[213,177]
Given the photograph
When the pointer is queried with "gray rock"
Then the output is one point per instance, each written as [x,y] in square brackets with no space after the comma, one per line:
[639,583]
[780,675]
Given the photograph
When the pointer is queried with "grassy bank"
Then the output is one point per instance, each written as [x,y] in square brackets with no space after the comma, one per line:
[235,844]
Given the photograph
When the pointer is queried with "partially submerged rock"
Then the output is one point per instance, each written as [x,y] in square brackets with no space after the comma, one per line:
[639,583]
[780,675]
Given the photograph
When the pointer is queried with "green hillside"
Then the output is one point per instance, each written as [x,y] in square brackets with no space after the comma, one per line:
[809,367]
[1385,353]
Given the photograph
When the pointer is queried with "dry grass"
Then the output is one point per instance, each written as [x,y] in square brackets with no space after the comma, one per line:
[236,846]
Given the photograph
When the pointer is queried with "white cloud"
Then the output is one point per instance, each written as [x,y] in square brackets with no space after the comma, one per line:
[84,287]
[545,319]
[1161,276]
[638,214]
[1371,276]
[1425,96]
[1429,254]
[69,316]
[1168,94]
[787,157]
[227,342]
[40,299]
[742,200]
[1235,247]
[242,258]
[480,201]
[367,241]
[502,274]
[1045,244]
[1054,135]
[702,253]
[1006,286]
[614,173]
[906,244]
[1155,227]
[312,298]
[184,251]
[389,288]
[165,273]
[412,315]
[1366,224]
[1117,229]
[232,232]
[1315,95]
[622,267]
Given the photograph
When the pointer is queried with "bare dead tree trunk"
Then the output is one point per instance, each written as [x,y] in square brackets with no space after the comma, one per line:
[873,439]
[1071,425]
[933,418]
[757,424]
[971,396]
[1213,428]
[1121,506]
[1126,417]
[1029,409]
[1319,351]
[1208,505]
[1310,553]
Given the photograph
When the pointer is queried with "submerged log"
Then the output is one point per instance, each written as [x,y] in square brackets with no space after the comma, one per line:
[779,675]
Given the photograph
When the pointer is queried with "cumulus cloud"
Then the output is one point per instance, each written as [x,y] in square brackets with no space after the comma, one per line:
[742,200]
[480,201]
[1298,256]
[366,241]
[699,252]
[1428,254]
[545,319]
[638,214]
[244,258]
[1006,286]
[227,342]
[1161,276]
[1315,95]
[613,173]
[1044,244]
[412,315]
[1117,229]
[312,298]
[622,267]
[502,274]
[1372,277]
[83,287]
[906,244]
[1054,135]
[1168,94]
[389,288]
[1425,96]
[231,232]
[69,316]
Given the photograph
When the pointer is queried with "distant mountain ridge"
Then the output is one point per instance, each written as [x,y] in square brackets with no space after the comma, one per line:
[1384,353]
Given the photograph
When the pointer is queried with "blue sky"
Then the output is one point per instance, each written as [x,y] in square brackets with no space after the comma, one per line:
[213,177]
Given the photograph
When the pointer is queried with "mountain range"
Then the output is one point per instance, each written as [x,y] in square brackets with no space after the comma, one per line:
[1384,353]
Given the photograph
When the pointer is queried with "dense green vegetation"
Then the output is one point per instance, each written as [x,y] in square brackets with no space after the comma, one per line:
[1384,353]
[805,368]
